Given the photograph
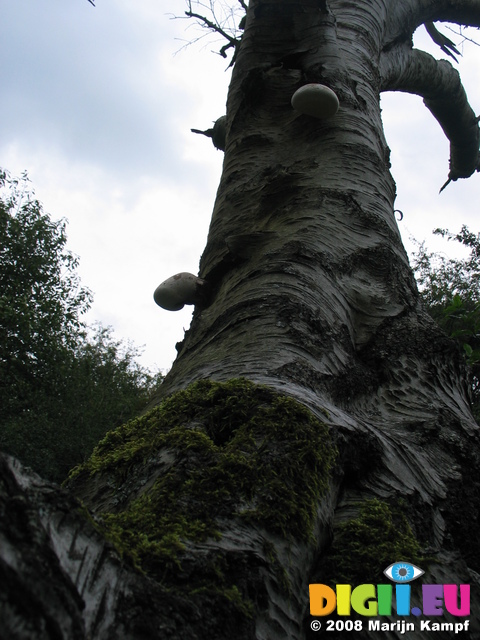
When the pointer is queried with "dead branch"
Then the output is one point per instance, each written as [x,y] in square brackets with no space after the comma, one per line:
[214,27]
[445,44]
[464,38]
[226,47]
[222,21]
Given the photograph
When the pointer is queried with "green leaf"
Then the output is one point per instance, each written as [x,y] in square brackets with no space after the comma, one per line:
[468,349]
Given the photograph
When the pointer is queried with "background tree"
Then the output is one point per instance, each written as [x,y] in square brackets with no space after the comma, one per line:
[354,426]
[451,291]
[61,388]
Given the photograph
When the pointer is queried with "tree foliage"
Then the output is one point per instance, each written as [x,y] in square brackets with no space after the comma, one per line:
[450,288]
[62,386]
[41,297]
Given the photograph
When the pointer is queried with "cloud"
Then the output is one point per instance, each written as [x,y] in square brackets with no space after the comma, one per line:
[98,108]
[93,84]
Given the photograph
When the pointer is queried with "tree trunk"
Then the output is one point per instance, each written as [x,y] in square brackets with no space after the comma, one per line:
[352,443]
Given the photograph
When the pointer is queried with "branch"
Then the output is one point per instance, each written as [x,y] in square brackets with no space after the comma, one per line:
[439,84]
[445,44]
[464,38]
[226,47]
[223,24]
[214,27]
[463,12]
[404,17]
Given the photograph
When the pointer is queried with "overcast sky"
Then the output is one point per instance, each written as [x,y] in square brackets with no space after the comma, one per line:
[97,105]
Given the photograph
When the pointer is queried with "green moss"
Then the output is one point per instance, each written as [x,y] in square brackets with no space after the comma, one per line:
[277,568]
[240,451]
[364,546]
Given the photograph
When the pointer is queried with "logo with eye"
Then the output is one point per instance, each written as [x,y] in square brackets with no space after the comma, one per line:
[403,572]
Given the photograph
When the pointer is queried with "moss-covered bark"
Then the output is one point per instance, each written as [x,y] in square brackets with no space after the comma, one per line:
[171,486]
[364,546]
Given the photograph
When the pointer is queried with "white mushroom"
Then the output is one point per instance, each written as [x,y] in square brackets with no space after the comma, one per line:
[179,290]
[315,100]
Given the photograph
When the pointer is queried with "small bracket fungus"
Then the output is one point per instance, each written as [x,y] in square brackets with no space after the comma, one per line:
[315,100]
[184,288]
[217,133]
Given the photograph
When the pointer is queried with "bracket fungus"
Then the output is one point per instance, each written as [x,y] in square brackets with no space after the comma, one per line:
[181,289]
[217,133]
[315,100]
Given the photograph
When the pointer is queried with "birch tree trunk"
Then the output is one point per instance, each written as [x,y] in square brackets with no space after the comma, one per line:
[356,411]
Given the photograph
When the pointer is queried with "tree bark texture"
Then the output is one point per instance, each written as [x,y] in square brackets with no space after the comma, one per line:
[311,295]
